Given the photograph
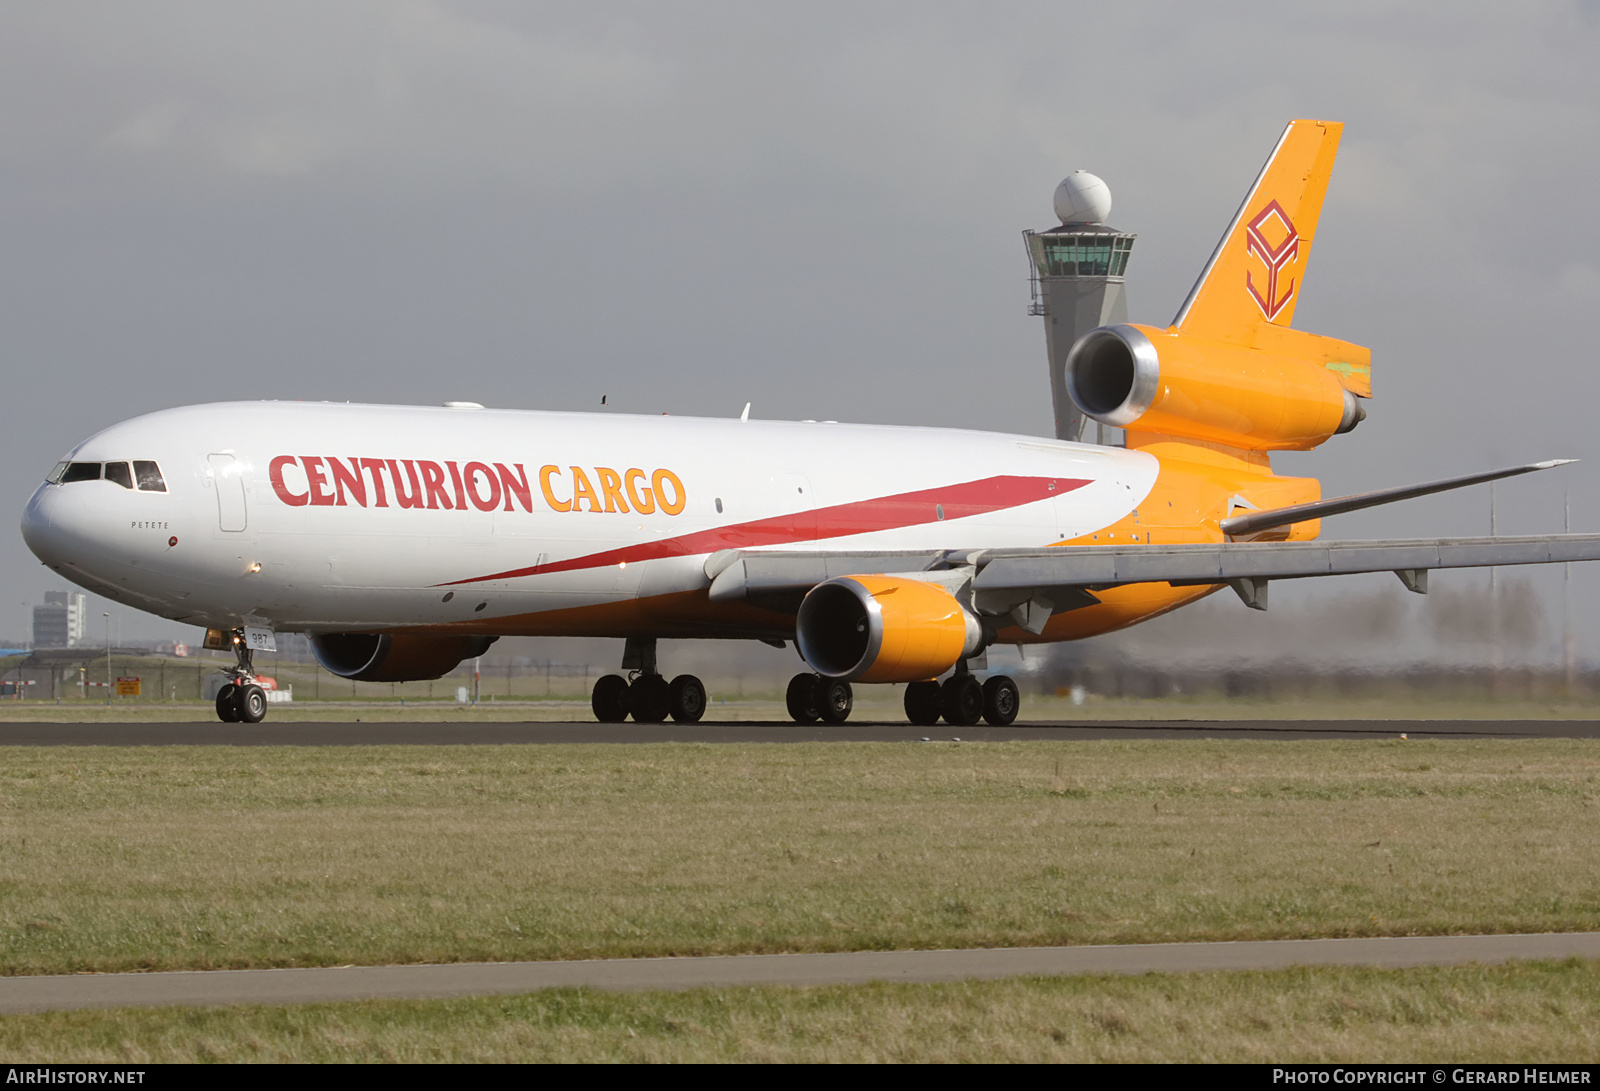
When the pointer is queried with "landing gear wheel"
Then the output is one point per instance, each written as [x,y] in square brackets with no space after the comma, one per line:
[1001,701]
[650,698]
[610,699]
[686,699]
[961,700]
[802,698]
[922,703]
[241,700]
[249,703]
[227,711]
[835,699]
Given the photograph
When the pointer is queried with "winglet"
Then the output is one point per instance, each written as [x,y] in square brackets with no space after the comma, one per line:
[1253,278]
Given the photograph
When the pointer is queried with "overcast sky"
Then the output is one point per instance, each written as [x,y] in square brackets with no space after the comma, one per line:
[815,208]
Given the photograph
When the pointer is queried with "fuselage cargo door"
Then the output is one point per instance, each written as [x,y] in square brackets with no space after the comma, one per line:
[227,478]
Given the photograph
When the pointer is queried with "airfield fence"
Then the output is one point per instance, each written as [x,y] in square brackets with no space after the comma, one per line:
[526,678]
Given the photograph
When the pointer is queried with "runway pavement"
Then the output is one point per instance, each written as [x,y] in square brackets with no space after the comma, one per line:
[302,986]
[345,733]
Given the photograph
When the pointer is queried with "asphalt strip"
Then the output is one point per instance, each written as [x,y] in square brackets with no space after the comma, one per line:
[321,984]
[395,733]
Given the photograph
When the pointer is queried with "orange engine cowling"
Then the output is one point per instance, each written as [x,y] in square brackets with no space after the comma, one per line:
[884,629]
[394,657]
[1149,380]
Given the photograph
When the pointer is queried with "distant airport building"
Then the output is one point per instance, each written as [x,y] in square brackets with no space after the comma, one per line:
[1077,282]
[61,621]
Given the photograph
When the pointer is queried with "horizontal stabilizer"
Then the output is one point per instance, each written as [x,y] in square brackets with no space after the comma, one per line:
[1254,521]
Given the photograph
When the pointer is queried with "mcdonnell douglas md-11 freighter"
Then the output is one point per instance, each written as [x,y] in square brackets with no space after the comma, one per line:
[405,539]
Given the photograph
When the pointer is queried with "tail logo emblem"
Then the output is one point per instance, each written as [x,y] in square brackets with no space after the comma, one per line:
[1275,258]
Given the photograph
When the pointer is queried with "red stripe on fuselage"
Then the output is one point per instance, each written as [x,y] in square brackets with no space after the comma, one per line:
[907,509]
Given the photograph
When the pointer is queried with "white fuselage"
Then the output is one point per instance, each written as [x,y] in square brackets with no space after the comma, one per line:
[256,522]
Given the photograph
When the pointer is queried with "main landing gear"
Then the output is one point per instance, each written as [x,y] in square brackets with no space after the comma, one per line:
[240,700]
[644,694]
[811,697]
[962,701]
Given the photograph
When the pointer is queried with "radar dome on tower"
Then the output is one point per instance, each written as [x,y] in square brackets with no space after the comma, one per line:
[1082,198]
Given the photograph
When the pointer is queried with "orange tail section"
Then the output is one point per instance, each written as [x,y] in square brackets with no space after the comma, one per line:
[1230,380]
[1253,278]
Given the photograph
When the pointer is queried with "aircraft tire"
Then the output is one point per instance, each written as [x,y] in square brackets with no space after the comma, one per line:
[227,711]
[961,700]
[687,699]
[1001,701]
[922,703]
[835,699]
[609,700]
[802,697]
[249,704]
[650,698]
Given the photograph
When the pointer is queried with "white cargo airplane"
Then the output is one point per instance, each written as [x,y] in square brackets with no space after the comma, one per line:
[405,539]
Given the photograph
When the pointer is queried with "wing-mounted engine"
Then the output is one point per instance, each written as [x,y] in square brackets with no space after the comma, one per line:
[395,657]
[1170,383]
[884,629]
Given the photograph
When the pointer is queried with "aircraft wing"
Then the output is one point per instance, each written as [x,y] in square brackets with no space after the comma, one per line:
[1065,577]
[1248,566]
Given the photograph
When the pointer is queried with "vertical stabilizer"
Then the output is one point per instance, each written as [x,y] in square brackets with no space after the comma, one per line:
[1253,278]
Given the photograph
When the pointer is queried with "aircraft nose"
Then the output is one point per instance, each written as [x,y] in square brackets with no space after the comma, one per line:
[48,525]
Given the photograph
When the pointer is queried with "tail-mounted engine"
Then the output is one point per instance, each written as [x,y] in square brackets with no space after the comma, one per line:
[1164,382]
[884,629]
[395,657]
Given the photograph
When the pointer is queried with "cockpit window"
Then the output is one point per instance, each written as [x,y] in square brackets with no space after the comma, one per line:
[146,473]
[149,475]
[118,472]
[81,471]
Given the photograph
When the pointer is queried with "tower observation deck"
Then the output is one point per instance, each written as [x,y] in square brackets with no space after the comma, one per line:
[1076,278]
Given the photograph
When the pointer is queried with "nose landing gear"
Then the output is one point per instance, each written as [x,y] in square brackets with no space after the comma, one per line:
[241,701]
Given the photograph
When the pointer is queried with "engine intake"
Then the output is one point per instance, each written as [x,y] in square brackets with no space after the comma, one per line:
[1159,381]
[884,629]
[395,657]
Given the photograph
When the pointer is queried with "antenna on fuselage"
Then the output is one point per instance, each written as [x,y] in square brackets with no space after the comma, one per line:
[746,414]
[1076,276]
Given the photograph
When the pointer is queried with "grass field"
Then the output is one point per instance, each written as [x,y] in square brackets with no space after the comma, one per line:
[144,858]
[1521,1013]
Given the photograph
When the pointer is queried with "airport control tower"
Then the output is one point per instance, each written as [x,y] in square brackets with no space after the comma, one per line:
[1077,282]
